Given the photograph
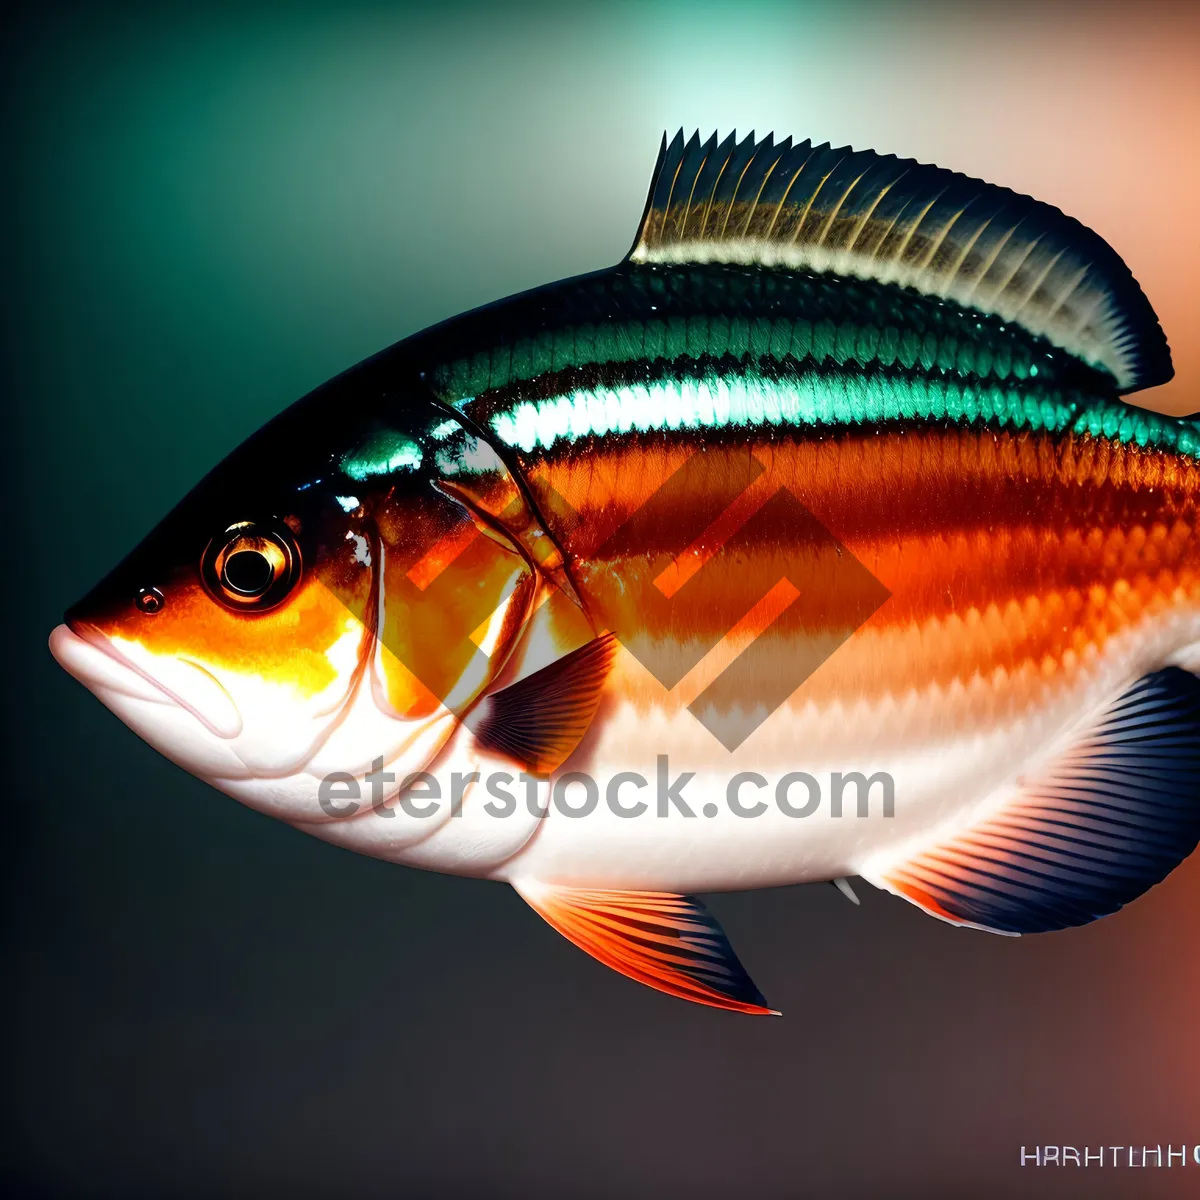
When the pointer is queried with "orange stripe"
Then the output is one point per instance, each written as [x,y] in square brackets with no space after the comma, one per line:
[689,562]
[1002,553]
[435,560]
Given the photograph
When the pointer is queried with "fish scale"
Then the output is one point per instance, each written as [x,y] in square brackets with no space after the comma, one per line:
[718,311]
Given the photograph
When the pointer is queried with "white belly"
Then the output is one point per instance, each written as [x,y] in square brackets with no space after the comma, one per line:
[954,757]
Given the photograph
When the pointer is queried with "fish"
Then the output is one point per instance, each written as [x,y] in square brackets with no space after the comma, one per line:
[814,540]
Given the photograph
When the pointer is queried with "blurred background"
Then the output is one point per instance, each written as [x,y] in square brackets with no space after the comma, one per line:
[211,210]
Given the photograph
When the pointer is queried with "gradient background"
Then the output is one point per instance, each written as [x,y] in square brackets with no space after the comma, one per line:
[210,211]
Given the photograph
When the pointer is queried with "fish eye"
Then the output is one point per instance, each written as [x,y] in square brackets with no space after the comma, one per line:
[251,566]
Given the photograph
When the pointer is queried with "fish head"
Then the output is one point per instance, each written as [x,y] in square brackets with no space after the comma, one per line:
[336,594]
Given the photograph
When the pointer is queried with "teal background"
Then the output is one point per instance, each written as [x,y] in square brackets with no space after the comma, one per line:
[212,210]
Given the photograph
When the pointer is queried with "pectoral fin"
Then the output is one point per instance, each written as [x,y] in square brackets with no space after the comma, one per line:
[539,720]
[1113,816]
[671,943]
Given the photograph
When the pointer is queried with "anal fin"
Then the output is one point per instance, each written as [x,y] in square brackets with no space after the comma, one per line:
[668,942]
[1111,818]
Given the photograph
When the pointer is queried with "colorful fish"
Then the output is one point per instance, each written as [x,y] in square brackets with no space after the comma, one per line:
[812,540]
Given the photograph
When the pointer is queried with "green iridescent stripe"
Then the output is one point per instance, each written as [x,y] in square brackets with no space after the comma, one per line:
[747,401]
[815,399]
[383,454]
[810,343]
[1137,426]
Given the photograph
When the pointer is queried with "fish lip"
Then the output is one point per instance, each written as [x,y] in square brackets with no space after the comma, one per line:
[68,640]
[68,645]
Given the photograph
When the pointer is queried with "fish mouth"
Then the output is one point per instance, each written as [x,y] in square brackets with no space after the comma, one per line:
[87,655]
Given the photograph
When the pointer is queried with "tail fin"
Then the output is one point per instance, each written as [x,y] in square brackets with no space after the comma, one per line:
[1111,818]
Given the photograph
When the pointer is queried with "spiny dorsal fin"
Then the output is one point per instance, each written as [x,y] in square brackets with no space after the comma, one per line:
[875,216]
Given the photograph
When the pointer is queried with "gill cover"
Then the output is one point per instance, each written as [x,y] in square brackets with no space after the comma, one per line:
[448,535]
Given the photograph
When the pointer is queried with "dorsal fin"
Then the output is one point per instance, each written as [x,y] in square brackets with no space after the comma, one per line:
[875,216]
